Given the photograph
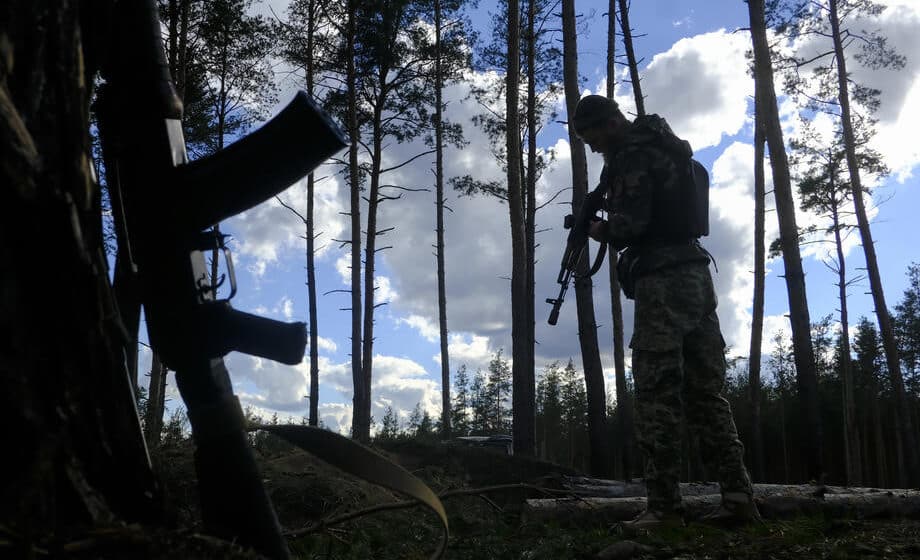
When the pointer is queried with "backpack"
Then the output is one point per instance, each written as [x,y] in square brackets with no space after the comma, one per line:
[695,178]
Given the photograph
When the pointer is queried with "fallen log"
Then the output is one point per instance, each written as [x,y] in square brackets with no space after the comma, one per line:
[603,510]
[584,486]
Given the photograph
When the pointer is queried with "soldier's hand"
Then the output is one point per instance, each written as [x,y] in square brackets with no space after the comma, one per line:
[598,230]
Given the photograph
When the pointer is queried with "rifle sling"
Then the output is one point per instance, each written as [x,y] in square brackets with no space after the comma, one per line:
[360,461]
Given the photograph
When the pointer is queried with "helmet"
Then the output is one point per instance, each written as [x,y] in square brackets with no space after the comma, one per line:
[593,110]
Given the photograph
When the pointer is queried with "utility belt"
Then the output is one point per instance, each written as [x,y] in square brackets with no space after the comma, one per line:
[639,259]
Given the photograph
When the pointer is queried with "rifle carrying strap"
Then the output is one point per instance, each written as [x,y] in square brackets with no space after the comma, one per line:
[360,461]
[599,259]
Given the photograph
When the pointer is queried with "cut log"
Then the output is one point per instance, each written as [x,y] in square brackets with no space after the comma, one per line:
[584,486]
[603,510]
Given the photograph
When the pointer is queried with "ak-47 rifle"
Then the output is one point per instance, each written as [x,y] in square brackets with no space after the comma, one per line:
[163,206]
[578,225]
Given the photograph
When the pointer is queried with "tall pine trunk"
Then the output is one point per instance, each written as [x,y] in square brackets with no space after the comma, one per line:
[358,430]
[522,402]
[851,436]
[310,79]
[806,373]
[903,424]
[754,355]
[530,219]
[587,325]
[631,57]
[439,206]
[156,402]
[625,423]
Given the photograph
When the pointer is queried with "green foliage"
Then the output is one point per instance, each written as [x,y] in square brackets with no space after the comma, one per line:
[460,404]
[233,52]
[389,429]
[907,328]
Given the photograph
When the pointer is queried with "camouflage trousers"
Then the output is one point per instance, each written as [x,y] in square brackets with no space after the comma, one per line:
[679,370]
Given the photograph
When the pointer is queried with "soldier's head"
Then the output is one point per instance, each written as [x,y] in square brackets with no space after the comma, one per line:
[598,121]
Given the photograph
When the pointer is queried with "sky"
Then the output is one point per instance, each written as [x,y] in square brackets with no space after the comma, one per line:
[693,71]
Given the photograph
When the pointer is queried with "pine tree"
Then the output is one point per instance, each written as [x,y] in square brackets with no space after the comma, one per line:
[461,403]
[792,261]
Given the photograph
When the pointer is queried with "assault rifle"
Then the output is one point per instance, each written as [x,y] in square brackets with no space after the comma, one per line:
[578,226]
[164,207]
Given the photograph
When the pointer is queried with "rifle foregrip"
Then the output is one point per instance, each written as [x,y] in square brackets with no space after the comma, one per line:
[263,337]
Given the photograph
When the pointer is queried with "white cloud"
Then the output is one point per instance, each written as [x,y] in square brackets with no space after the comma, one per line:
[703,97]
[425,327]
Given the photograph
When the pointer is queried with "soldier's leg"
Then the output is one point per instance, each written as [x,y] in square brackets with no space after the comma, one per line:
[658,377]
[708,413]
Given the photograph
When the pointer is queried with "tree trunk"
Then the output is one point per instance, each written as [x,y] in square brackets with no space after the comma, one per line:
[625,422]
[587,325]
[903,425]
[370,252]
[631,57]
[530,219]
[358,430]
[156,402]
[313,418]
[74,453]
[439,206]
[806,374]
[757,310]
[851,437]
[522,402]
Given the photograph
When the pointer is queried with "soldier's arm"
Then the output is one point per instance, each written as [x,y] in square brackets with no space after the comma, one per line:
[632,191]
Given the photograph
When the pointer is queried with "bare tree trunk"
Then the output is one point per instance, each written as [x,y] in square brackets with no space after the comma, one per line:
[851,436]
[370,252]
[754,355]
[631,57]
[358,430]
[156,402]
[310,81]
[439,205]
[522,398]
[530,219]
[806,374]
[587,325]
[624,398]
[903,425]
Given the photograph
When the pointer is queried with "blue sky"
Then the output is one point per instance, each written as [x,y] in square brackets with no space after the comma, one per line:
[694,74]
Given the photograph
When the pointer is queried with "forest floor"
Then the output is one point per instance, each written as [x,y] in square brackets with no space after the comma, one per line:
[489,525]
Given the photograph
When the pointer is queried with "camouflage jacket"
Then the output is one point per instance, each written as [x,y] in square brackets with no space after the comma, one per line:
[643,176]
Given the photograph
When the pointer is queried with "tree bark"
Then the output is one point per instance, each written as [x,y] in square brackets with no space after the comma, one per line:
[903,424]
[522,398]
[439,206]
[587,325]
[313,418]
[358,429]
[530,219]
[806,374]
[593,511]
[754,355]
[156,402]
[74,451]
[631,57]
[625,424]
[851,437]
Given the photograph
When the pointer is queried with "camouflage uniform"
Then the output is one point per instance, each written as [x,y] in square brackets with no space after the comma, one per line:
[678,349]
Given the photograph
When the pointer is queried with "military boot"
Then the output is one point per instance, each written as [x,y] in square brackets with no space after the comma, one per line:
[737,508]
[651,519]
